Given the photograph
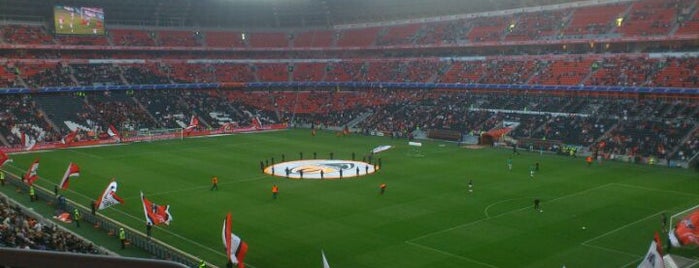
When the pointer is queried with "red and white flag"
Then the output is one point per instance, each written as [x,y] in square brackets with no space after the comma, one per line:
[68,139]
[256,122]
[193,123]
[31,174]
[155,214]
[28,142]
[112,132]
[235,247]
[72,171]
[686,232]
[109,197]
[4,159]
[653,258]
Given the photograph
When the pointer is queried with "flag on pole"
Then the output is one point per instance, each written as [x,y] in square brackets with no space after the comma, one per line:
[72,171]
[325,261]
[112,132]
[235,247]
[109,197]
[686,231]
[193,123]
[652,259]
[28,142]
[256,122]
[4,159]
[155,214]
[31,174]
[68,139]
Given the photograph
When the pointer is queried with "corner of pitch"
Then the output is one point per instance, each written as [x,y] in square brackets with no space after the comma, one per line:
[320,169]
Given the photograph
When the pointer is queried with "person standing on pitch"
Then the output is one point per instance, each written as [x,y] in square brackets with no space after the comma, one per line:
[382,188]
[32,193]
[537,205]
[122,237]
[76,217]
[214,183]
[275,191]
[509,163]
[470,186]
[149,229]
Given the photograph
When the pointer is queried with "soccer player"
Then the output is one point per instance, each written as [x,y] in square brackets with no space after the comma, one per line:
[588,159]
[214,183]
[382,188]
[470,186]
[537,205]
[531,171]
[275,191]
[509,163]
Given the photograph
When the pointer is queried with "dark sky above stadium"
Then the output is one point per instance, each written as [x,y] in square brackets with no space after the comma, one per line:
[261,13]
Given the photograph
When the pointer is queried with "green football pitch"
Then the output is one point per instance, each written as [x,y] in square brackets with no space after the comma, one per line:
[599,216]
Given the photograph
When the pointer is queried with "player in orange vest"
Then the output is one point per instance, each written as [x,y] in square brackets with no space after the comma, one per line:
[214,183]
[382,187]
[588,159]
[275,191]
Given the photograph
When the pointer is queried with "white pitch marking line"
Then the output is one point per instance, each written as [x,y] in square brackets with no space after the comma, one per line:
[656,190]
[506,213]
[622,227]
[611,250]
[450,254]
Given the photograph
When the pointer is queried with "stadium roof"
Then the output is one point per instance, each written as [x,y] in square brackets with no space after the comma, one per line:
[261,13]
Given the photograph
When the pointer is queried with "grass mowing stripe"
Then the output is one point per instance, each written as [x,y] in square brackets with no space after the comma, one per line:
[362,229]
[587,242]
[657,190]
[505,213]
[449,254]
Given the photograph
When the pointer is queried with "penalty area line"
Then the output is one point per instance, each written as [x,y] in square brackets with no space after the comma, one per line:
[449,254]
[505,213]
[622,227]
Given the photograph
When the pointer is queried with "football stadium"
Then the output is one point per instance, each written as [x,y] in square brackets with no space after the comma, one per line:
[331,133]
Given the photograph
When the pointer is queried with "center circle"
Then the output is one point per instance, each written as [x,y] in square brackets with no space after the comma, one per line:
[320,169]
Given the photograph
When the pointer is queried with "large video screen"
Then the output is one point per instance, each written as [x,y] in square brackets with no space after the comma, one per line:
[78,20]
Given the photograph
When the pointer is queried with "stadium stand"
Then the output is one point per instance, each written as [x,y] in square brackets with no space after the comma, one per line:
[358,37]
[594,20]
[179,38]
[19,230]
[261,39]
[651,17]
[314,39]
[130,37]
[399,35]
[224,39]
[26,34]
